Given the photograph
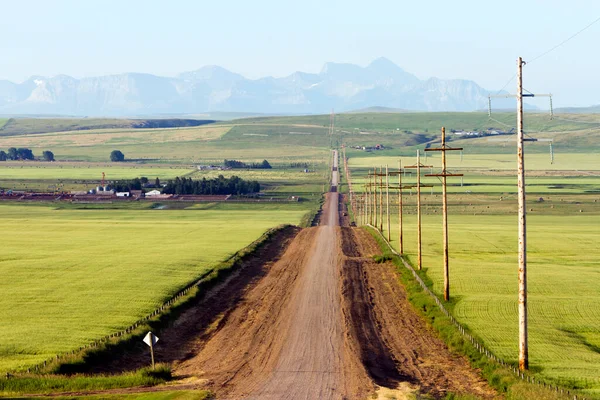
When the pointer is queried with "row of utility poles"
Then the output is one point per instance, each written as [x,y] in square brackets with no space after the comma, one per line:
[369,208]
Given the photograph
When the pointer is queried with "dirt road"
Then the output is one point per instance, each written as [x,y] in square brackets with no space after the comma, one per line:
[286,339]
[325,322]
[311,316]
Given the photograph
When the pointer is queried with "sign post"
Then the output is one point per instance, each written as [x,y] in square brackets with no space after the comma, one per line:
[151,339]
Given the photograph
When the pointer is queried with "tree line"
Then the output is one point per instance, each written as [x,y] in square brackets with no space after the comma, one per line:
[133,184]
[220,185]
[240,164]
[23,153]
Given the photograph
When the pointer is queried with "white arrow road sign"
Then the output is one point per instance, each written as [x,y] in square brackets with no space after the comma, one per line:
[150,339]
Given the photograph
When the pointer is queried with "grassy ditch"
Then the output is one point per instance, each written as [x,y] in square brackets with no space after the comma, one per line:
[57,383]
[310,218]
[499,377]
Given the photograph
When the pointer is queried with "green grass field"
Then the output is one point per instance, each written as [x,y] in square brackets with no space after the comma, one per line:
[71,276]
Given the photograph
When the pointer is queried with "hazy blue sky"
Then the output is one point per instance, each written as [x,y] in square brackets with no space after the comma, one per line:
[478,40]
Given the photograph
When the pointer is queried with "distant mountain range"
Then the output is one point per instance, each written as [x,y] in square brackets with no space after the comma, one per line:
[343,87]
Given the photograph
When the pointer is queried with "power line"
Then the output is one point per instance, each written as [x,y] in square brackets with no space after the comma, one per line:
[506,84]
[502,123]
[563,42]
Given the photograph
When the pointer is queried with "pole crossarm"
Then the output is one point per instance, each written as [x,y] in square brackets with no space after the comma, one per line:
[377,174]
[396,187]
[444,174]
[444,148]
[524,139]
[507,96]
[419,166]
[416,186]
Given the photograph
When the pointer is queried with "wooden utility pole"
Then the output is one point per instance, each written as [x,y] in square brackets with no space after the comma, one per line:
[443,149]
[418,166]
[387,200]
[380,198]
[523,337]
[374,198]
[368,199]
[400,228]
[360,208]
[419,257]
[522,231]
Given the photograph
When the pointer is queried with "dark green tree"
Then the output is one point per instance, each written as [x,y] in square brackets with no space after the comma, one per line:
[3,155]
[12,153]
[157,182]
[48,155]
[265,165]
[24,153]
[144,180]
[116,156]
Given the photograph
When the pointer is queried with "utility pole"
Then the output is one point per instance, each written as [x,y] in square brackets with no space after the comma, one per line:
[419,256]
[443,149]
[418,166]
[372,199]
[522,229]
[380,198]
[400,211]
[367,202]
[387,200]
[400,228]
[523,334]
